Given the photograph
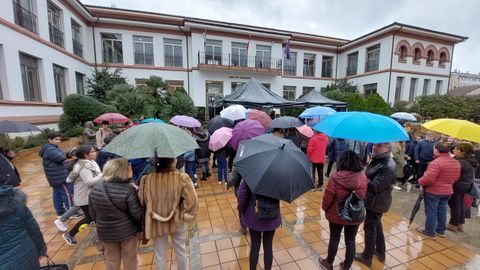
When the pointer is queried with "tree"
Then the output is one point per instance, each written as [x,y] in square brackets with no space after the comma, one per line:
[374,103]
[448,107]
[102,81]
[155,86]
[355,102]
[127,100]
[179,102]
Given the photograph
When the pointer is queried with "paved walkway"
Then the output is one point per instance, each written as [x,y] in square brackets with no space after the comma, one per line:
[215,243]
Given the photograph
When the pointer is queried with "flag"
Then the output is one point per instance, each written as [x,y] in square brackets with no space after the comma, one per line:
[248,43]
[204,40]
[287,50]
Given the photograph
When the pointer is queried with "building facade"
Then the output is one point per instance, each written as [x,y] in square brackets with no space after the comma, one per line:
[49,47]
[460,79]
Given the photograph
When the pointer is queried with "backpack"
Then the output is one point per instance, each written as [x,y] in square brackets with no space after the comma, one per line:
[265,207]
[354,208]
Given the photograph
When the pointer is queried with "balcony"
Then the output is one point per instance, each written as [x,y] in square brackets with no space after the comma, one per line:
[144,59]
[56,36]
[240,62]
[173,61]
[77,48]
[25,18]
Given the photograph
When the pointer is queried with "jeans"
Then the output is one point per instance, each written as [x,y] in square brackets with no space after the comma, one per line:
[335,234]
[222,172]
[374,238]
[256,239]
[319,168]
[125,251]
[457,209]
[160,245]
[74,210]
[62,198]
[190,168]
[86,220]
[435,213]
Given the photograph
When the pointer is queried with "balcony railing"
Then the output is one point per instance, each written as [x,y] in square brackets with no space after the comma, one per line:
[371,64]
[290,70]
[25,18]
[56,36]
[77,48]
[144,59]
[229,60]
[308,71]
[173,61]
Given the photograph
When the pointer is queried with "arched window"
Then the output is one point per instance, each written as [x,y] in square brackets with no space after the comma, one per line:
[403,52]
[443,58]
[430,57]
[417,55]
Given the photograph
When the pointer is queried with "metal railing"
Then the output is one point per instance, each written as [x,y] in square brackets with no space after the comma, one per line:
[144,58]
[77,48]
[56,36]
[290,70]
[372,64]
[308,71]
[173,61]
[236,60]
[25,18]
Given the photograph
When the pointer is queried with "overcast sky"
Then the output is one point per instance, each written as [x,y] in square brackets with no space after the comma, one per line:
[347,19]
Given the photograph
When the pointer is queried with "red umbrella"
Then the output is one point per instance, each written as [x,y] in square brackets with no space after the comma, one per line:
[260,116]
[111,118]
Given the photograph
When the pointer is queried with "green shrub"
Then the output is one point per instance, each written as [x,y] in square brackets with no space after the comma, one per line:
[73,132]
[82,108]
[65,123]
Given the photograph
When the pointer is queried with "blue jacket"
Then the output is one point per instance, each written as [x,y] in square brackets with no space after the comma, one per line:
[8,172]
[189,156]
[138,165]
[410,148]
[52,159]
[336,149]
[424,150]
[104,156]
[21,241]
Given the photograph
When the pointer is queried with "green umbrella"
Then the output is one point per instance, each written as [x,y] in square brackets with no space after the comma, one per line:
[141,141]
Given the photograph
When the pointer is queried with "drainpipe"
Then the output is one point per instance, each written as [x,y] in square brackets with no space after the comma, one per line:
[450,75]
[188,62]
[336,65]
[94,44]
[391,64]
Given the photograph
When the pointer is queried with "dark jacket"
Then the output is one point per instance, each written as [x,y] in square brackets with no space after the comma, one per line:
[235,180]
[466,179]
[294,137]
[115,224]
[52,160]
[224,152]
[21,241]
[424,150]
[8,172]
[203,151]
[410,148]
[104,156]
[477,158]
[381,178]
[138,165]
[336,148]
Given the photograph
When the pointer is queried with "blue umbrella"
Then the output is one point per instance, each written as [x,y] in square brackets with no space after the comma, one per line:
[317,111]
[148,120]
[362,126]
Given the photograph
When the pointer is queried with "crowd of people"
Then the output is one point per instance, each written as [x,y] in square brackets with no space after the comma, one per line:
[156,197]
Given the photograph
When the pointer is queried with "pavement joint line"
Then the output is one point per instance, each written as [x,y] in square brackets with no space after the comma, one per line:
[77,255]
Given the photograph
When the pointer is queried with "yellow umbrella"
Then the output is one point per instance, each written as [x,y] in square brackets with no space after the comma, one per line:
[460,129]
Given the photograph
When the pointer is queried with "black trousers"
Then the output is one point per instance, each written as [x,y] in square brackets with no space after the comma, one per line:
[457,210]
[374,238]
[335,234]
[329,166]
[422,167]
[86,220]
[319,168]
[256,239]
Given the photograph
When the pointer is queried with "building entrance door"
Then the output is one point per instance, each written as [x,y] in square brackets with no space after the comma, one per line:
[214,93]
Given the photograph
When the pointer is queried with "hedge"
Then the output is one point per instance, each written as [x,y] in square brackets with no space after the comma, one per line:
[81,108]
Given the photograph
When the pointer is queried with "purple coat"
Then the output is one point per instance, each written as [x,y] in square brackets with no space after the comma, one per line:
[246,206]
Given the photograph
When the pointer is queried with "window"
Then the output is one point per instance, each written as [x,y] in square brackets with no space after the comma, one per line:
[266,85]
[55,24]
[80,82]
[426,87]
[290,66]
[24,15]
[112,48]
[77,38]
[438,87]
[143,47]
[399,88]
[443,59]
[213,52]
[309,64]
[413,89]
[417,54]
[369,89]
[173,52]
[140,82]
[352,63]
[59,80]
[239,54]
[373,58]
[327,66]
[307,89]
[263,58]
[430,57]
[289,92]
[236,85]
[30,82]
[403,53]
[174,85]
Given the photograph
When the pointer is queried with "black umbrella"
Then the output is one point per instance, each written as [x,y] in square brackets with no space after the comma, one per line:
[274,167]
[14,127]
[416,207]
[285,122]
[218,122]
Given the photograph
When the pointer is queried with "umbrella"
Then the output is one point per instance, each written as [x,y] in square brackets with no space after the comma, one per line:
[403,116]
[218,122]
[305,131]
[156,120]
[234,112]
[274,167]
[416,207]
[285,122]
[260,116]
[246,130]
[185,121]
[112,118]
[362,126]
[141,141]
[317,111]
[15,127]
[460,129]
[220,138]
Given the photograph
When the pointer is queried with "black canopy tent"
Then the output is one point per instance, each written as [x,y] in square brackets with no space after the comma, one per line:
[314,98]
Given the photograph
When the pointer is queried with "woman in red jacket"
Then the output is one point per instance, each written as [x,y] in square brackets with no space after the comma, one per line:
[349,177]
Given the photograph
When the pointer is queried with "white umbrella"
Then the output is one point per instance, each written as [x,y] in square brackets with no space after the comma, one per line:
[234,112]
[404,116]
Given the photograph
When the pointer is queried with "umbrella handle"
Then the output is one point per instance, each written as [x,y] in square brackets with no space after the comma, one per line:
[282,147]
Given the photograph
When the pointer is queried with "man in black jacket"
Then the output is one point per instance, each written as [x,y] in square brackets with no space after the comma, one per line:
[381,178]
[8,172]
[423,154]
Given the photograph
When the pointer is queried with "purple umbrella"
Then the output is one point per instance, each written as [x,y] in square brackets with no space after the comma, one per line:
[220,138]
[246,129]
[185,121]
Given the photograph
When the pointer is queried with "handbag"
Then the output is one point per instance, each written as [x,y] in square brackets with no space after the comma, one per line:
[53,266]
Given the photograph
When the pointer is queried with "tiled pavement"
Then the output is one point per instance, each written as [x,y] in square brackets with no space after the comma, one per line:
[215,243]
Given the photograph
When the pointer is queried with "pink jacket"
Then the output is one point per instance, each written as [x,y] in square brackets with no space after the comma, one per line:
[440,175]
[317,147]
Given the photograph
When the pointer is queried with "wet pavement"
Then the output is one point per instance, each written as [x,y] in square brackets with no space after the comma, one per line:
[214,241]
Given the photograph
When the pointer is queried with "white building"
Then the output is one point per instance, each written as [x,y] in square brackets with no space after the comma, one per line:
[49,47]
[460,79]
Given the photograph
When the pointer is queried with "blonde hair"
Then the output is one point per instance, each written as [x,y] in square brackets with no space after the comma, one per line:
[116,168]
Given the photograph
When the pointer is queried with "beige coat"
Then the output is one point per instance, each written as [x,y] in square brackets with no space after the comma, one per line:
[169,199]
[398,155]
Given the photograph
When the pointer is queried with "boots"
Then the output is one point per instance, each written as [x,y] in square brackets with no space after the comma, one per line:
[460,228]
[452,228]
